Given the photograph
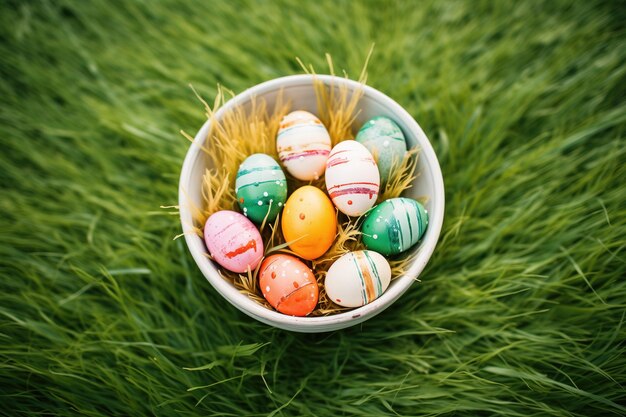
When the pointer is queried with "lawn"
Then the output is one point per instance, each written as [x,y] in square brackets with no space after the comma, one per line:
[520,312]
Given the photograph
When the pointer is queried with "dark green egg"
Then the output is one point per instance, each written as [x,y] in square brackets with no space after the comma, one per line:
[394,225]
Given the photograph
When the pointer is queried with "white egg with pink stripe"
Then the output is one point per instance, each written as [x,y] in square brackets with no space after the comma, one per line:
[303,145]
[352,178]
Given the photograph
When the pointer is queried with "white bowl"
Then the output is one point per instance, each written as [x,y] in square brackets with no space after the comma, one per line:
[299,89]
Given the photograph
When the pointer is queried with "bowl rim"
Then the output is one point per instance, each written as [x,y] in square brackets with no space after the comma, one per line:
[324,323]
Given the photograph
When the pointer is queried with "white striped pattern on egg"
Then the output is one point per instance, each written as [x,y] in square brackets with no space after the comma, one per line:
[352,178]
[394,225]
[303,145]
[357,278]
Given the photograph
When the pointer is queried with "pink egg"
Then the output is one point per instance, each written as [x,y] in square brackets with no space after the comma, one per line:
[233,241]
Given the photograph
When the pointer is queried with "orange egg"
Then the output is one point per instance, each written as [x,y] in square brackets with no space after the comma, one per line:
[310,222]
[288,285]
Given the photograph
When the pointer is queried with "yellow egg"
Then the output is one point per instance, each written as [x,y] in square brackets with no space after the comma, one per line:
[310,222]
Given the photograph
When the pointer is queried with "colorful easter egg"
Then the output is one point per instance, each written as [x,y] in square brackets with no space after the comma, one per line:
[261,187]
[352,178]
[303,145]
[233,241]
[288,285]
[385,140]
[394,225]
[309,222]
[357,278]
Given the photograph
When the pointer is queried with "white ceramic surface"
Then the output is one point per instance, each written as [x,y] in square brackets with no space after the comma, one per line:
[299,89]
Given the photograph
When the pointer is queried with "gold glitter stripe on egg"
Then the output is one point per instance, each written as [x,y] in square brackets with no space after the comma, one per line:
[379,284]
[367,276]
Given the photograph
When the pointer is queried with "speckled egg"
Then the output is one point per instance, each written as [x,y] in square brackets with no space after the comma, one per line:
[384,139]
[357,278]
[352,178]
[288,285]
[261,187]
[309,222]
[233,241]
[303,145]
[394,225]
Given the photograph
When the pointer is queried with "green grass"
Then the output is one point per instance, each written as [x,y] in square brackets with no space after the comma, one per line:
[521,310]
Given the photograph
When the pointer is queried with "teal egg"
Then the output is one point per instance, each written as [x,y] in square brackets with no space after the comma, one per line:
[384,138]
[394,225]
[261,187]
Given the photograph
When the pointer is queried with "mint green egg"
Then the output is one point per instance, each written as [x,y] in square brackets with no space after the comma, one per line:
[261,187]
[394,225]
[384,138]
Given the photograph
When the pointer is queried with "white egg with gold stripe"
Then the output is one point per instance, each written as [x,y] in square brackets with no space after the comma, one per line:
[357,278]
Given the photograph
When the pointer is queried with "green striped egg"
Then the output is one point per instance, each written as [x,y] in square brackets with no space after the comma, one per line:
[383,138]
[394,225]
[261,187]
